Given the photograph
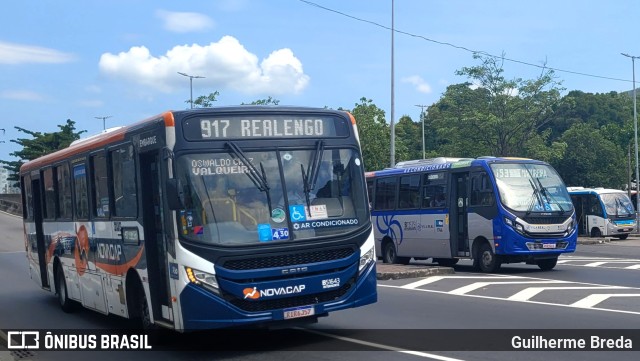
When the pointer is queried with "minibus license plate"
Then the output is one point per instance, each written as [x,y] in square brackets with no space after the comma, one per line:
[548,245]
[299,312]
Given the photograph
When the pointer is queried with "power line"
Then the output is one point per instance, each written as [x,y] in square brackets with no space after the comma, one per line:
[458,46]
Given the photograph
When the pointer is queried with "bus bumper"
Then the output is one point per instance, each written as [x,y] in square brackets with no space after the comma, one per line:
[203,310]
[515,244]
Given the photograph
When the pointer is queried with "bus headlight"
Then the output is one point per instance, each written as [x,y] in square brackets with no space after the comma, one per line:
[203,279]
[366,259]
[514,224]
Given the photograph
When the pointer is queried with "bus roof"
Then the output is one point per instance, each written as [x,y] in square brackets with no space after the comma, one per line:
[597,190]
[117,134]
[434,164]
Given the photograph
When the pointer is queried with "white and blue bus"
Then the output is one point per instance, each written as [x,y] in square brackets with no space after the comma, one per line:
[603,212]
[491,210]
[206,218]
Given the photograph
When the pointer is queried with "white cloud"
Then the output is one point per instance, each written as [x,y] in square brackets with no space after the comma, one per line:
[21,95]
[225,65]
[419,83]
[184,22]
[11,53]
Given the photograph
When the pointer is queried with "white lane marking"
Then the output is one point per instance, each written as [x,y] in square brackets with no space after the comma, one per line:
[592,300]
[433,279]
[507,300]
[527,293]
[474,286]
[383,347]
[635,266]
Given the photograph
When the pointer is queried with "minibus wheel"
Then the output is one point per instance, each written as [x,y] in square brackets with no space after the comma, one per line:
[67,304]
[389,255]
[488,262]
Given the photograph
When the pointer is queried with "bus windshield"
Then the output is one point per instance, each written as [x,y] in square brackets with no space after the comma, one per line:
[242,197]
[617,204]
[531,188]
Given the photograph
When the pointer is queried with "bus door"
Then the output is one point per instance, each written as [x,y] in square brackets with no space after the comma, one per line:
[155,241]
[37,219]
[458,220]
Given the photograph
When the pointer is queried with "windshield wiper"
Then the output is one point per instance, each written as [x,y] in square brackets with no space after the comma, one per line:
[535,197]
[310,177]
[548,195]
[258,179]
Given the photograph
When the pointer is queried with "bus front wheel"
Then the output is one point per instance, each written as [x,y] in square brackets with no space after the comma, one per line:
[547,264]
[487,261]
[389,255]
[67,304]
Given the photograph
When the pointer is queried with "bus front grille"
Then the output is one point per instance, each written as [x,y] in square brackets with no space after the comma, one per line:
[288,302]
[284,260]
[545,220]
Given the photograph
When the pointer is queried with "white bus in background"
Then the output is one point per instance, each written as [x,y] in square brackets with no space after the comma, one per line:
[603,212]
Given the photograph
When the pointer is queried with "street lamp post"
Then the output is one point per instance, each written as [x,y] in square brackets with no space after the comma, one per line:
[191,77]
[391,123]
[104,124]
[635,130]
[422,118]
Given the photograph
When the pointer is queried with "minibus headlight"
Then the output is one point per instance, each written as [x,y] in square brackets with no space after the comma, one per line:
[366,259]
[203,279]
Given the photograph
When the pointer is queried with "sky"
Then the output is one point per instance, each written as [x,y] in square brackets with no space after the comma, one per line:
[86,60]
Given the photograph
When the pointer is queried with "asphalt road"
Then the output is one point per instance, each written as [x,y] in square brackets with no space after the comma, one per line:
[412,317]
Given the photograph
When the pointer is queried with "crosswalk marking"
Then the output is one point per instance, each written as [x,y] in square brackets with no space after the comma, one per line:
[530,292]
[433,279]
[594,299]
[474,286]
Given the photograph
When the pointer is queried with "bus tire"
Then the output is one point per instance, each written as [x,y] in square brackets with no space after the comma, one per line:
[488,262]
[389,255]
[143,311]
[547,264]
[66,304]
[446,262]
[595,232]
[622,237]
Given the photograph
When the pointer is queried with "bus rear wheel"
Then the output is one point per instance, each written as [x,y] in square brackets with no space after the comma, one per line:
[547,264]
[68,305]
[389,255]
[487,261]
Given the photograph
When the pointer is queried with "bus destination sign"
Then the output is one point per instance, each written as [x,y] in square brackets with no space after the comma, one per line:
[277,126]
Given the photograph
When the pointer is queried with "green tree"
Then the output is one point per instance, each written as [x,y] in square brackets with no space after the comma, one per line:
[499,117]
[40,144]
[591,163]
[374,134]
[205,101]
[268,101]
[408,139]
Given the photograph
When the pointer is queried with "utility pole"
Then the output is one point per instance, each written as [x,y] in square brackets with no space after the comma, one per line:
[635,133]
[104,123]
[422,116]
[191,77]
[392,127]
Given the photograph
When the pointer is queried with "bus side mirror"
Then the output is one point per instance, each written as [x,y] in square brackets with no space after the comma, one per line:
[175,196]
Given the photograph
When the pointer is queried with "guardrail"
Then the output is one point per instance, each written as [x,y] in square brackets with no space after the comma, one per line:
[11,207]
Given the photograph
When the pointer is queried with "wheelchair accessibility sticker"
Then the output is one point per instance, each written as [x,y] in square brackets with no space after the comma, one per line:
[297,213]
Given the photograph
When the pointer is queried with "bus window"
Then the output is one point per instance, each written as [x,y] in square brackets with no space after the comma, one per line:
[49,194]
[386,193]
[100,186]
[124,182]
[64,191]
[434,190]
[409,196]
[27,198]
[481,190]
[81,208]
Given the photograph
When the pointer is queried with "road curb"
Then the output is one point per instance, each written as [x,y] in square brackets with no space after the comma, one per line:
[396,272]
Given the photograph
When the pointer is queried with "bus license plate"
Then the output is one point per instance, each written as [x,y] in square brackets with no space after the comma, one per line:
[299,312]
[548,245]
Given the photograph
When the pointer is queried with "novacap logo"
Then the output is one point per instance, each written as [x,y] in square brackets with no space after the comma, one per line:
[251,293]
[254,293]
